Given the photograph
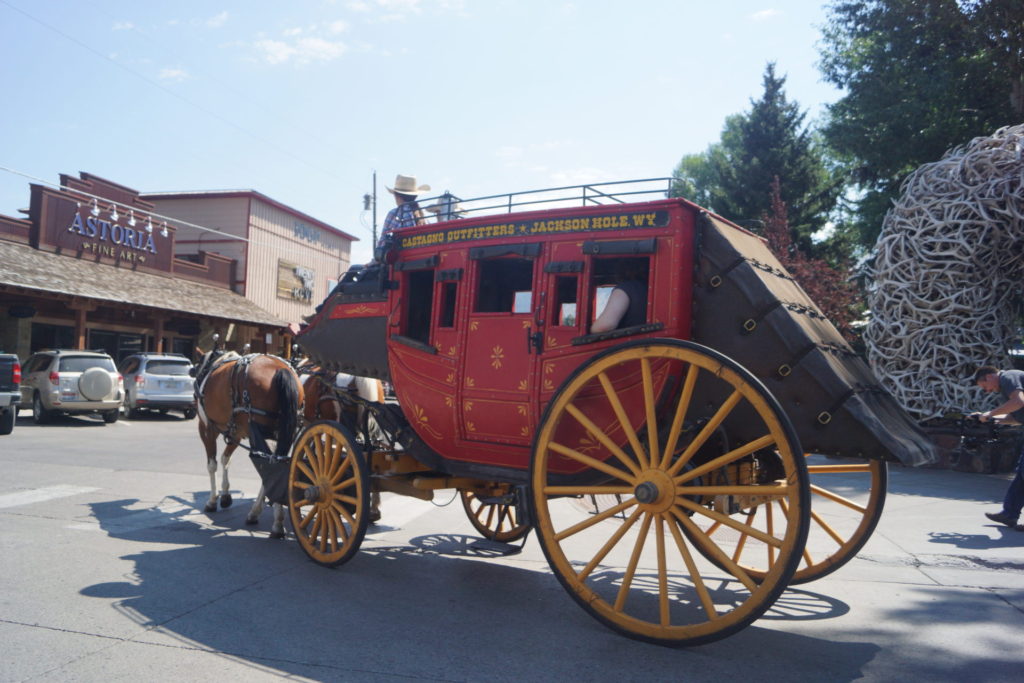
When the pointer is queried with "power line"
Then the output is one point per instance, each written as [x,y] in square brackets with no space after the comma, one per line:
[151,214]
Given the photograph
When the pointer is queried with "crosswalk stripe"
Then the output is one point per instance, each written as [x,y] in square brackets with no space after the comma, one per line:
[9,500]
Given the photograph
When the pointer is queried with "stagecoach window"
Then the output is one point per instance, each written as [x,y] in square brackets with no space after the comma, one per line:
[565,301]
[449,290]
[505,285]
[419,295]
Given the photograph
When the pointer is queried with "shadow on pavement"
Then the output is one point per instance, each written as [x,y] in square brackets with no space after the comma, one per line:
[1008,538]
[391,611]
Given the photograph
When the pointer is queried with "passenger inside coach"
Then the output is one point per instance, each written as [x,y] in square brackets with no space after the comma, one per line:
[626,305]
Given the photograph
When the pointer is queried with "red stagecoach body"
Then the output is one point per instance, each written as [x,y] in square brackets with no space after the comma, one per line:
[477,322]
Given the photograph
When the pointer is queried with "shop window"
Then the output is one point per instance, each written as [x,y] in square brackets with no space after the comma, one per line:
[420,294]
[183,346]
[46,336]
[565,301]
[505,286]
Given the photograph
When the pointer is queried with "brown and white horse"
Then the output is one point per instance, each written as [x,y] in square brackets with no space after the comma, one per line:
[254,397]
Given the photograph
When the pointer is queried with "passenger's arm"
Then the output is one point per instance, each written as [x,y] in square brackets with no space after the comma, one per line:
[618,304]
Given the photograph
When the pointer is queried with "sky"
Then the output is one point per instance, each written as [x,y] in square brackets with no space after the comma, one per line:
[304,101]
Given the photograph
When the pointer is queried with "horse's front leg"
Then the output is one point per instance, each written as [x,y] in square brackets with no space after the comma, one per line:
[225,485]
[257,507]
[209,438]
[277,529]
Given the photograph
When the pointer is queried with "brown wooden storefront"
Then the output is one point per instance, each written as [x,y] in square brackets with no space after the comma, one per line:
[91,266]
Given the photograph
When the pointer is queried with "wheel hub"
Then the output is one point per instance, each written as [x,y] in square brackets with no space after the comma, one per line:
[656,490]
[647,492]
[312,494]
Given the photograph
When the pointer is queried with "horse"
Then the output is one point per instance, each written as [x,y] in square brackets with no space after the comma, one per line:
[255,397]
[321,388]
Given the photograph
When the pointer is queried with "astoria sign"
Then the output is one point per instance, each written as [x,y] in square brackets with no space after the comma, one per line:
[113,238]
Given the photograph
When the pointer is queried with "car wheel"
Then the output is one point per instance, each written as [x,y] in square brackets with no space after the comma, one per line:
[40,415]
[190,413]
[111,416]
[7,420]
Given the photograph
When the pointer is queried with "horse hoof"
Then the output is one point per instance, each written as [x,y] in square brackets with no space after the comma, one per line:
[225,501]
[251,521]
[277,534]
[210,507]
[374,516]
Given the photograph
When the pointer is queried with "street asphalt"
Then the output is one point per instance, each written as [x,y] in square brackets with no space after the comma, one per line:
[110,571]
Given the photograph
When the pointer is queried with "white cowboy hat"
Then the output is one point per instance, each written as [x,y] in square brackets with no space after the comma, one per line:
[406,184]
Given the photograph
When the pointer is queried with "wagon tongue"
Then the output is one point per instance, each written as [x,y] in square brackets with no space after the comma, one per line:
[749,308]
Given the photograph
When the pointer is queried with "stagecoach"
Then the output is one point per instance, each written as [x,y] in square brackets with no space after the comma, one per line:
[679,473]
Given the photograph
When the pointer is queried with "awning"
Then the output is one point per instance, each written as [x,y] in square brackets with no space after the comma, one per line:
[27,268]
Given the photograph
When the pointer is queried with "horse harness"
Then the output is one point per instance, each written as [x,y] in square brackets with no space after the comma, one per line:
[238,384]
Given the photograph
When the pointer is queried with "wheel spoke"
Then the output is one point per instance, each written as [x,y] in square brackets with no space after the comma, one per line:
[691,566]
[308,518]
[591,521]
[729,521]
[652,422]
[735,490]
[342,512]
[705,433]
[743,538]
[729,565]
[587,490]
[627,578]
[609,544]
[627,426]
[680,417]
[317,456]
[838,469]
[659,538]
[722,460]
[342,485]
[590,462]
[331,530]
[603,438]
[828,529]
[836,498]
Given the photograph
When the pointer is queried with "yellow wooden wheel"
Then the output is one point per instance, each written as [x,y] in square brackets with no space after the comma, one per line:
[640,424]
[847,498]
[497,521]
[328,493]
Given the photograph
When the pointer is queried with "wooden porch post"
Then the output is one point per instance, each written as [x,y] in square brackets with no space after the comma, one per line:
[81,307]
[159,332]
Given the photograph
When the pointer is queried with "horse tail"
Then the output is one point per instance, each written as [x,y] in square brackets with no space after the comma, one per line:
[286,386]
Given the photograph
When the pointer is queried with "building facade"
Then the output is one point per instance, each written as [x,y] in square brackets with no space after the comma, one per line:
[95,265]
[286,259]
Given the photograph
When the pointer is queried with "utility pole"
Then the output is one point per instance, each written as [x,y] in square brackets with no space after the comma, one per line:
[370,202]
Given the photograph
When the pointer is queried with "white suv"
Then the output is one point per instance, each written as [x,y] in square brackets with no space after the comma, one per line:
[67,381]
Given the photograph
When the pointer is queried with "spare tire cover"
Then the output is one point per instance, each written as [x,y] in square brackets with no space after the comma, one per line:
[95,384]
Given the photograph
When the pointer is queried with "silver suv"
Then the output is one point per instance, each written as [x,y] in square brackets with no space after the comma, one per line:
[67,381]
[158,381]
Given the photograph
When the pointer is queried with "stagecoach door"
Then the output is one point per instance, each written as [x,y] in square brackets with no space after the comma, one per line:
[502,341]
